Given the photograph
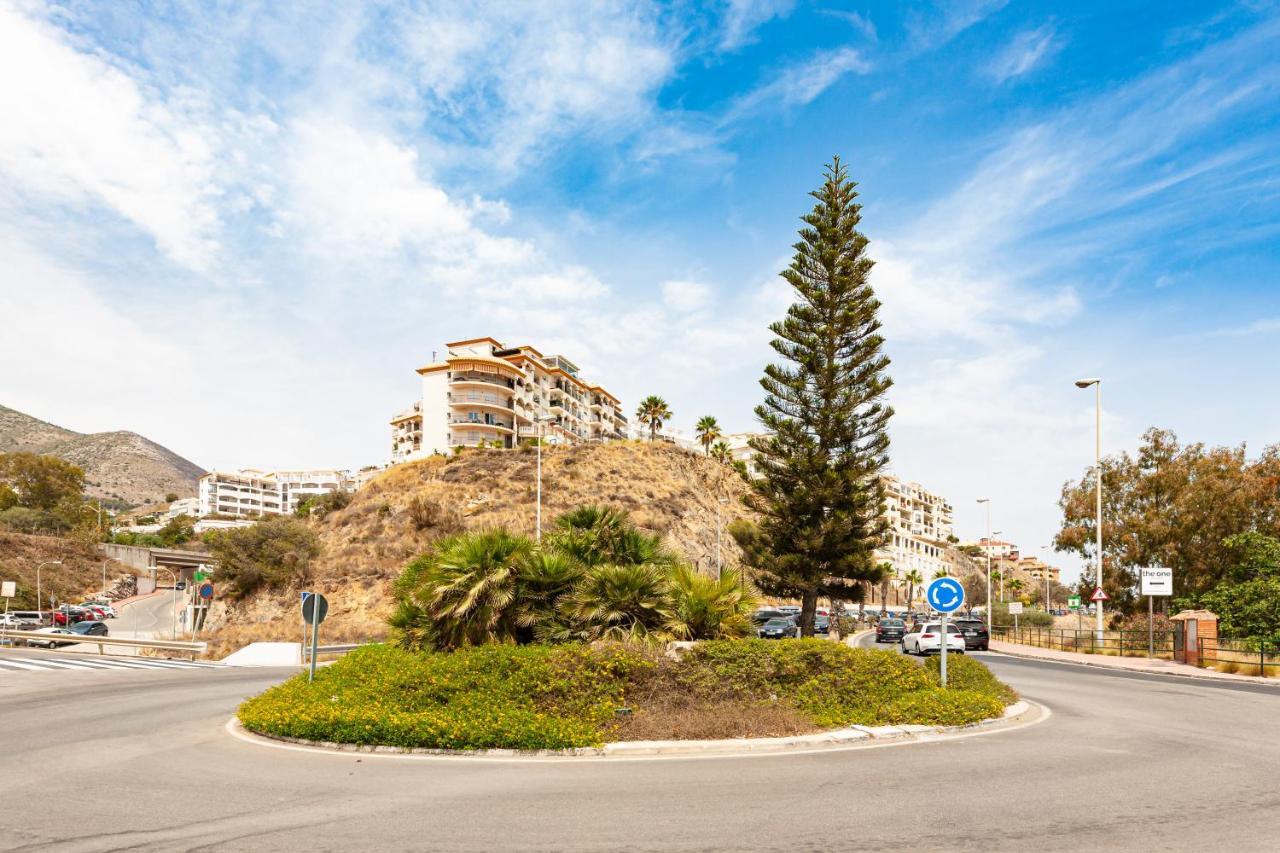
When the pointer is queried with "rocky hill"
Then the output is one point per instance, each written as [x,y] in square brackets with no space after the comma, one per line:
[667,490]
[79,575]
[121,466]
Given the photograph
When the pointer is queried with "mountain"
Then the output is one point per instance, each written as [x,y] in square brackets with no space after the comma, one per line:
[122,466]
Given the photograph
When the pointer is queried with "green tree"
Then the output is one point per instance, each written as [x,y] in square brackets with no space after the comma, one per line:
[653,412]
[179,529]
[819,495]
[1015,586]
[628,602]
[38,482]
[1171,505]
[1247,601]
[274,553]
[913,579]
[707,608]
[708,432]
[721,453]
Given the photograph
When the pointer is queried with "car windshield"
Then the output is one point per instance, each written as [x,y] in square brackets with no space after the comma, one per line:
[83,627]
[951,628]
[778,623]
[891,623]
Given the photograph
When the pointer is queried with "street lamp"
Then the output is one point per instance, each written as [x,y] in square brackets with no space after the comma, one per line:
[1046,580]
[987,501]
[39,605]
[719,527]
[1097,475]
[540,421]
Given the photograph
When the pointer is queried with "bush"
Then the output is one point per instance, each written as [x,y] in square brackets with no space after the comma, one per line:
[556,697]
[966,673]
[274,553]
[1027,619]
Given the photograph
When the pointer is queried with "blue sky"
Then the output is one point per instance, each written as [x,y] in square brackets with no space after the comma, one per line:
[237,230]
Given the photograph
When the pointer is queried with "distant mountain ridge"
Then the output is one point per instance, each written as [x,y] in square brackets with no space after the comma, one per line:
[117,465]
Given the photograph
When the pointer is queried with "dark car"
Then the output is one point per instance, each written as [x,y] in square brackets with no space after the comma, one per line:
[822,625]
[975,633]
[890,630]
[764,614]
[776,629]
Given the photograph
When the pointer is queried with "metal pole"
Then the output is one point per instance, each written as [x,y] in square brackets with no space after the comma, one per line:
[1151,627]
[315,634]
[943,667]
[1097,469]
[538,534]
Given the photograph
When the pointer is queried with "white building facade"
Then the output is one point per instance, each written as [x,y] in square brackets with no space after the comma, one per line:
[920,529]
[251,492]
[486,394]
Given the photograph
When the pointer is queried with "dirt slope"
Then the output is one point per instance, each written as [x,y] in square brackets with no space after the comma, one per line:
[668,491]
[79,575]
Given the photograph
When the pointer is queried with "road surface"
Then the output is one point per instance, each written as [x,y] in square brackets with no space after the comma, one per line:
[141,761]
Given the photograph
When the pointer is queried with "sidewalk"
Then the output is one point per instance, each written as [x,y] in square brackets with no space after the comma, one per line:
[1150,666]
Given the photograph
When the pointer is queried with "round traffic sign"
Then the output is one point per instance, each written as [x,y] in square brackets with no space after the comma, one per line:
[314,607]
[945,594]
[206,590]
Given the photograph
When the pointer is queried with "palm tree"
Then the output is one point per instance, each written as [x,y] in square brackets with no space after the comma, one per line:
[468,584]
[721,453]
[653,411]
[708,431]
[943,572]
[913,579]
[996,578]
[595,534]
[621,603]
[708,608]
[1015,586]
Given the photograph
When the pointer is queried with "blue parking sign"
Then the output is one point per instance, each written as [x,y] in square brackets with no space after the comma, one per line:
[945,594]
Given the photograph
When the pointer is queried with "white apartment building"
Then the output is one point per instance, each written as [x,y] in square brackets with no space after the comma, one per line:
[183,506]
[998,549]
[740,449]
[251,492]
[920,527]
[484,392]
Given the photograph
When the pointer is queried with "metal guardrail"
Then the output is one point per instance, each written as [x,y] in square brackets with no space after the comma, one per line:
[184,646]
[1122,643]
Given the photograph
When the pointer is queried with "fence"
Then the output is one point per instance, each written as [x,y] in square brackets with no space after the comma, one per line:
[1243,657]
[59,640]
[1116,643]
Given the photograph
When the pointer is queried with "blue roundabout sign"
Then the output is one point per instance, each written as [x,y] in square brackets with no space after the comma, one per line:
[945,595]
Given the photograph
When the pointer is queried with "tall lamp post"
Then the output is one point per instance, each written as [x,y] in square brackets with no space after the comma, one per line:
[39,603]
[1046,580]
[991,545]
[987,501]
[1097,476]
[540,420]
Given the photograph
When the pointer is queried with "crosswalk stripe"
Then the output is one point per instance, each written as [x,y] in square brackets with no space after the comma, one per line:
[56,664]
[10,663]
[22,663]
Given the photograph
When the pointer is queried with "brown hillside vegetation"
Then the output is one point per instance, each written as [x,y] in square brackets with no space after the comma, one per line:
[79,575]
[668,491]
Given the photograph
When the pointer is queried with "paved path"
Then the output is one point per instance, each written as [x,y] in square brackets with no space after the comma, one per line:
[1126,762]
[1132,664]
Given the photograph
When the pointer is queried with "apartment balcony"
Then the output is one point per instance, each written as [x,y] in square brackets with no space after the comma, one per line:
[497,426]
[480,379]
[476,398]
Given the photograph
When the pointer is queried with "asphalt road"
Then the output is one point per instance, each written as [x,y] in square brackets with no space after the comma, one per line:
[141,761]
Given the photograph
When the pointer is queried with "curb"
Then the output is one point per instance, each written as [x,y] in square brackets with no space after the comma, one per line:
[846,738]
[1238,679]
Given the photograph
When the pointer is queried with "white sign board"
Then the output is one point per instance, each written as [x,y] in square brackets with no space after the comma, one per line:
[8,589]
[1157,581]
[1015,608]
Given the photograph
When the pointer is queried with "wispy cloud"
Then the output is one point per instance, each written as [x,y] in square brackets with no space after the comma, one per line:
[743,17]
[801,83]
[949,19]
[1024,53]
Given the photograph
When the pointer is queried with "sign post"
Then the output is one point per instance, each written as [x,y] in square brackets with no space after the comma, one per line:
[945,595]
[314,608]
[1156,580]
[1015,610]
[8,590]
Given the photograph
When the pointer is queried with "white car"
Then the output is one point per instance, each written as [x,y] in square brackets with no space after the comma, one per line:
[926,639]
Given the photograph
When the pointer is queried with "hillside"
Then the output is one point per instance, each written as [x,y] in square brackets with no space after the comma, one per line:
[667,490]
[122,466]
[79,575]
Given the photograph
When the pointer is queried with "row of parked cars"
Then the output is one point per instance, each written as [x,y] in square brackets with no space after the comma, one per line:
[783,621]
[925,637]
[82,622]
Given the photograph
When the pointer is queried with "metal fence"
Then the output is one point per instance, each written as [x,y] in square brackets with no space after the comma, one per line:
[1243,657]
[1115,643]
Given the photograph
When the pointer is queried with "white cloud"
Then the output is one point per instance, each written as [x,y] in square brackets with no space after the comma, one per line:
[800,84]
[685,296]
[743,17]
[77,131]
[1024,53]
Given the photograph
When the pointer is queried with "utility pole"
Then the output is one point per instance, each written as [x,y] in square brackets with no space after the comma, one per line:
[987,501]
[1097,474]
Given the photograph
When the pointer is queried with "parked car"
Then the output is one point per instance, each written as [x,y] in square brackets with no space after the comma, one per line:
[925,638]
[777,629]
[890,630]
[821,625]
[81,631]
[105,609]
[975,634]
[764,614]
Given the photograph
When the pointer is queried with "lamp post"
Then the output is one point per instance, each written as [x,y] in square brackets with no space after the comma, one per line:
[987,501]
[540,420]
[39,605]
[719,526]
[1097,476]
[1046,580]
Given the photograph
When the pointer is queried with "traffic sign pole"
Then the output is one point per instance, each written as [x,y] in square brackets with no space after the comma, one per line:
[945,595]
[315,635]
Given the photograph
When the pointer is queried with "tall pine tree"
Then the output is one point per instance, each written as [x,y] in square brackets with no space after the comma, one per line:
[819,494]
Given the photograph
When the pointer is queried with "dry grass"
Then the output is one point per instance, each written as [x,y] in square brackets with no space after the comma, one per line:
[668,491]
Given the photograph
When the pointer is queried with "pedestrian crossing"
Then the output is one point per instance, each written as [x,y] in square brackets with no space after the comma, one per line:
[35,662]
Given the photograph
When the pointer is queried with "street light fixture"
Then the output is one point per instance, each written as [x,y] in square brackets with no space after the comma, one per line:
[540,421]
[987,501]
[39,604]
[1097,476]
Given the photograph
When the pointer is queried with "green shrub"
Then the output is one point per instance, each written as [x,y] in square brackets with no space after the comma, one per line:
[966,673]
[556,697]
[274,553]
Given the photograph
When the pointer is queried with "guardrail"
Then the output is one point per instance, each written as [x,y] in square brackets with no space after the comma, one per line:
[1121,643]
[1243,657]
[183,646]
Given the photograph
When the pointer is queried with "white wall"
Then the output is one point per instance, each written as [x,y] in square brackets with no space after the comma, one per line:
[435,412]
